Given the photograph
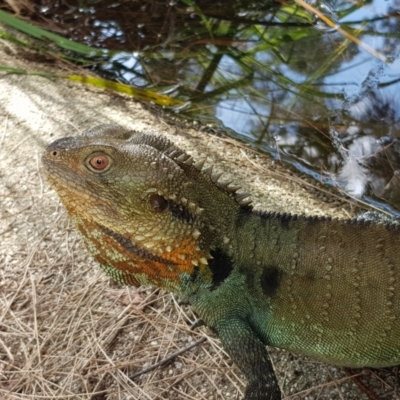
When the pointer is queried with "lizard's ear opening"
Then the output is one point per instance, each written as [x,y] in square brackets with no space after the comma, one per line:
[159,203]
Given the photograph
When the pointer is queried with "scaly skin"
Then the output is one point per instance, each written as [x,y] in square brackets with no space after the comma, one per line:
[322,287]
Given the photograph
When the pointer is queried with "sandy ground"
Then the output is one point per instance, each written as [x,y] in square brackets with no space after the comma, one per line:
[68,332]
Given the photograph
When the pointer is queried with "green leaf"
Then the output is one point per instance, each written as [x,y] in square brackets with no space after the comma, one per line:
[138,93]
[42,34]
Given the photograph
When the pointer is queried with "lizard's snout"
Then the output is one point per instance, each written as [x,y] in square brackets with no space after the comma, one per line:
[58,145]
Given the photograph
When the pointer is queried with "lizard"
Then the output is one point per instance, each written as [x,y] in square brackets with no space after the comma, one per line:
[149,214]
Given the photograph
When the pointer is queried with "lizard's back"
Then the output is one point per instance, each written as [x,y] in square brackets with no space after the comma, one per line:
[332,289]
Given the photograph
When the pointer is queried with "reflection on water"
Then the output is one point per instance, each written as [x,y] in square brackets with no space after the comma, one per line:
[277,76]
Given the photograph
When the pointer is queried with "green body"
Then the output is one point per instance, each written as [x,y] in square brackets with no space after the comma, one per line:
[321,287]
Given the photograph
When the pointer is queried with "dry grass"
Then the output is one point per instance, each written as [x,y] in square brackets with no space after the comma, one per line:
[65,332]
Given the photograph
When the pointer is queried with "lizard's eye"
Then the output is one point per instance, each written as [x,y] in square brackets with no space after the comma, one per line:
[159,203]
[99,162]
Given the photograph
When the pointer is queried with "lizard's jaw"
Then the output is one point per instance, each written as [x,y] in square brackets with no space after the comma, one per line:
[130,262]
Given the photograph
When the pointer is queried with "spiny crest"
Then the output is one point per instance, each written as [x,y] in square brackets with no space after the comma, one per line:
[170,150]
[242,198]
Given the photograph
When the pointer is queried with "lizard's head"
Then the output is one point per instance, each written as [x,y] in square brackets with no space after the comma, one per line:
[144,209]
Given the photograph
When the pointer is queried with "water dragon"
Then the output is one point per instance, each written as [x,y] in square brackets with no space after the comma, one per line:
[150,215]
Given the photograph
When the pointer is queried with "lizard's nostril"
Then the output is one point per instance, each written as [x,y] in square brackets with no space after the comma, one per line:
[54,153]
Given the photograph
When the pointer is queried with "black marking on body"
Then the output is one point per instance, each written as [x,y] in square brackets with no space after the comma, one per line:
[270,280]
[132,248]
[194,275]
[265,217]
[285,220]
[221,267]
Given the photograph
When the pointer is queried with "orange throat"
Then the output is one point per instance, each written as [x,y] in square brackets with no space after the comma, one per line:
[133,264]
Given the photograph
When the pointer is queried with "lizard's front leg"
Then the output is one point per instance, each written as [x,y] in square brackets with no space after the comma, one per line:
[251,356]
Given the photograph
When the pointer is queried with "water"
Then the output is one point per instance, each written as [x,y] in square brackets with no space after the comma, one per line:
[323,95]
